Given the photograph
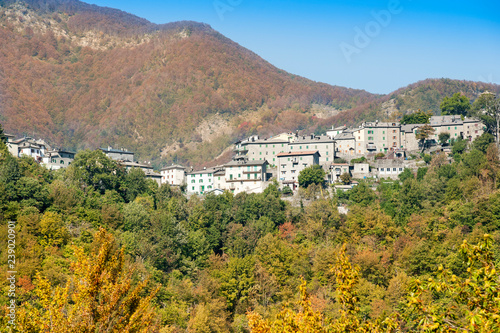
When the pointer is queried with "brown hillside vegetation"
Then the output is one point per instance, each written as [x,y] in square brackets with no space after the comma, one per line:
[85,76]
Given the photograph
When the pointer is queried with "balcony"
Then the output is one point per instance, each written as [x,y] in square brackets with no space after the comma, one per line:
[371,146]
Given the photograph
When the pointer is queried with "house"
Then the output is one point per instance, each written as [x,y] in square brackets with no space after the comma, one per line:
[408,136]
[150,174]
[292,163]
[332,133]
[345,144]
[361,170]
[118,154]
[200,182]
[57,159]
[338,169]
[220,179]
[129,165]
[243,175]
[378,137]
[255,149]
[323,144]
[30,147]
[390,168]
[174,175]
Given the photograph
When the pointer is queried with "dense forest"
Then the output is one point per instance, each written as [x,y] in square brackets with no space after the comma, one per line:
[99,249]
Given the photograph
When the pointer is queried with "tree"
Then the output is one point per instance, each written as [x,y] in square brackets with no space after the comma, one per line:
[487,108]
[482,142]
[95,169]
[3,138]
[451,303]
[346,178]
[423,133]
[99,297]
[443,138]
[311,175]
[458,104]
[419,117]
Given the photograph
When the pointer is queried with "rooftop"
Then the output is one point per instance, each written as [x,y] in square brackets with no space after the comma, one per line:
[301,153]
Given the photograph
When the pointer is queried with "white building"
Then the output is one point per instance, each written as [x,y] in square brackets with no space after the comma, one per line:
[200,182]
[173,175]
[292,163]
[58,159]
[242,175]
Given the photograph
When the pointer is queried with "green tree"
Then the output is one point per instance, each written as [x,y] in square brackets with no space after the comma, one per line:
[443,138]
[459,146]
[95,169]
[312,175]
[482,142]
[3,138]
[346,178]
[458,104]
[487,108]
[134,184]
[419,117]
[405,175]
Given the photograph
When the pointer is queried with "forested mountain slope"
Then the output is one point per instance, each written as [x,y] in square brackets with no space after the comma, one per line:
[85,76]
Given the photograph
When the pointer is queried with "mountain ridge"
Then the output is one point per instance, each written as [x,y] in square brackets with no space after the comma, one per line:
[84,76]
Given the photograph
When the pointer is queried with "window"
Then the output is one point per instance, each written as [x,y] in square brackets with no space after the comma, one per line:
[239,175]
[266,146]
[394,169]
[383,132]
[383,138]
[254,176]
[62,162]
[193,181]
[394,138]
[300,147]
[315,147]
[201,180]
[248,176]
[327,159]
[307,147]
[400,169]
[327,153]
[382,169]
[193,188]
[393,131]
[370,132]
[301,158]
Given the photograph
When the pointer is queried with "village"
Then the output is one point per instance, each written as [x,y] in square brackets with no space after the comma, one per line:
[372,150]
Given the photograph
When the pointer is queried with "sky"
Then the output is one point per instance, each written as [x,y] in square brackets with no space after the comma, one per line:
[378,46]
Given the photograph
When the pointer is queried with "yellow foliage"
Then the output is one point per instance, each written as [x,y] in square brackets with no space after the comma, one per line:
[98,298]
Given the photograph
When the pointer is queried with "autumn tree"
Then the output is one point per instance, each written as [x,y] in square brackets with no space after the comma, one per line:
[451,303]
[99,297]
[423,133]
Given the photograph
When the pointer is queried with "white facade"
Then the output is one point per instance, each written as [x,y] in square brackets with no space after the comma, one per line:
[200,182]
[174,175]
[245,176]
[292,163]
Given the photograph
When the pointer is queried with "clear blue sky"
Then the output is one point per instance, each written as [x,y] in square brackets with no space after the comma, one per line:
[378,46]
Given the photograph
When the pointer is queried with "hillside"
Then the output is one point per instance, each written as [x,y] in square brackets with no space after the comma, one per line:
[86,76]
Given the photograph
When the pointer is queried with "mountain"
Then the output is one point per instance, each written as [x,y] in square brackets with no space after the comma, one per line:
[84,76]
